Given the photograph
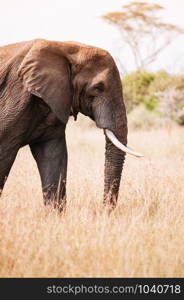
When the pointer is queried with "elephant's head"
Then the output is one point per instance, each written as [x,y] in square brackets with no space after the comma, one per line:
[71,78]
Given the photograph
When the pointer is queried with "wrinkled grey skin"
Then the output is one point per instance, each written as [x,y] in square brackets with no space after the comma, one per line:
[42,83]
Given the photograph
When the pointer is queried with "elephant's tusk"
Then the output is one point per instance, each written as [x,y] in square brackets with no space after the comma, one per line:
[119,145]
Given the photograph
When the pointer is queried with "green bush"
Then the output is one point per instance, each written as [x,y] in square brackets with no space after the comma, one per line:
[136,87]
[162,81]
[154,92]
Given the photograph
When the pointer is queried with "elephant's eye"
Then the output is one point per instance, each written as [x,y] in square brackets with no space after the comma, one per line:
[99,87]
[95,90]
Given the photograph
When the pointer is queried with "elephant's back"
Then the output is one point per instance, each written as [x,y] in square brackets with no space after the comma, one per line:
[10,51]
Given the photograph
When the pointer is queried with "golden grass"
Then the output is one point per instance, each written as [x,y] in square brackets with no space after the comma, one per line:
[143,237]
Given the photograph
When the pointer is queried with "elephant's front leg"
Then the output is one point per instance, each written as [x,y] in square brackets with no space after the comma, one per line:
[51,158]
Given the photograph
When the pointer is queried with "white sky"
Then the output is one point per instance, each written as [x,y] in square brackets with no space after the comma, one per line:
[79,20]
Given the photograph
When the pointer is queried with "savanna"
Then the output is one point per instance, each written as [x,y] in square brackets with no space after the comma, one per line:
[142,237]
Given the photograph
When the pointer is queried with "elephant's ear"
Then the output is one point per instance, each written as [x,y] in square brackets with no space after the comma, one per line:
[45,73]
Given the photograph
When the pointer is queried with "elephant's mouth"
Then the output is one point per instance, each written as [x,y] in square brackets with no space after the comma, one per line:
[119,145]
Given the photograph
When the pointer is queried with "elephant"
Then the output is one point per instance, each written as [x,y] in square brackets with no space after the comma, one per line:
[42,84]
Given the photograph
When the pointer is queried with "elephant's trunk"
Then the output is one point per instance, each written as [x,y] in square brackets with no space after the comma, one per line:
[114,160]
[111,116]
[114,157]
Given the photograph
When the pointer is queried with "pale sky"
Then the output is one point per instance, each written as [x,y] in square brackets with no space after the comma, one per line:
[79,20]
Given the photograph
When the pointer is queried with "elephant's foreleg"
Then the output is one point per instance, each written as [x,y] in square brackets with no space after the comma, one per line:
[51,158]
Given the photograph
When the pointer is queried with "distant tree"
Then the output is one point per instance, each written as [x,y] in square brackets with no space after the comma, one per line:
[142,30]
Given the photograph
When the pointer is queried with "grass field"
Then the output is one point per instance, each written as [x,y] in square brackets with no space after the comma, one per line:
[143,237]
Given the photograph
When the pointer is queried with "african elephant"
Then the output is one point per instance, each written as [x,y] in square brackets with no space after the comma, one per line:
[42,83]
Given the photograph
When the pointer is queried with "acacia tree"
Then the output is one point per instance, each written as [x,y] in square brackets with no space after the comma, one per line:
[143,31]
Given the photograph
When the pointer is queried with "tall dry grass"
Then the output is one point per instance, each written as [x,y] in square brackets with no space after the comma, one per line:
[143,237]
